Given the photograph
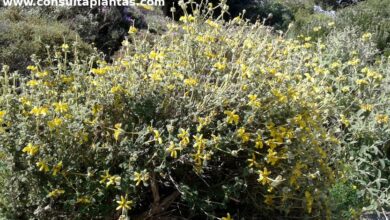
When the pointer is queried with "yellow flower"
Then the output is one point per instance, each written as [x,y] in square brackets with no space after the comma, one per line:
[243,135]
[382,119]
[361,82]
[55,123]
[139,177]
[220,66]
[281,98]
[113,180]
[157,136]
[354,62]
[60,107]
[200,143]
[228,217]
[2,114]
[212,24]
[25,101]
[33,83]
[345,89]
[31,149]
[259,141]
[198,160]
[187,19]
[253,101]
[56,193]
[271,157]
[118,131]
[178,75]
[184,135]
[232,118]
[367,107]
[203,121]
[124,204]
[96,109]
[371,73]
[32,68]
[117,89]
[331,24]
[366,36]
[105,177]
[190,82]
[156,76]
[156,55]
[263,176]
[172,150]
[248,43]
[133,30]
[344,120]
[39,111]
[335,65]
[65,47]
[237,20]
[252,161]
[67,79]
[316,29]
[100,71]
[216,139]
[42,165]
[42,74]
[57,168]
[210,54]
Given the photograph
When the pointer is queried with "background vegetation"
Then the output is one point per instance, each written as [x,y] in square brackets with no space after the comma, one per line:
[26,33]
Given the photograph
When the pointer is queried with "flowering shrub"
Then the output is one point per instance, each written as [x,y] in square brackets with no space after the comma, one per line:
[212,118]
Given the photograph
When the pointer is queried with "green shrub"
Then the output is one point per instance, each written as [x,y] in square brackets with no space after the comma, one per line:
[270,12]
[208,119]
[370,16]
[106,27]
[23,34]
[345,201]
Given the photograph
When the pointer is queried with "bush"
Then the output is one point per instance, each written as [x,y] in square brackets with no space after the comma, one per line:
[269,12]
[367,17]
[210,118]
[370,16]
[23,34]
[105,27]
[345,201]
